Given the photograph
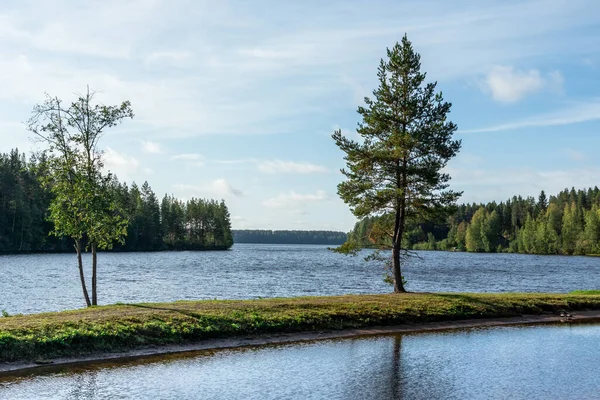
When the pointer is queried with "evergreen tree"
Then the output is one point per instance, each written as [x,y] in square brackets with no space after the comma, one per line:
[397,169]
[542,203]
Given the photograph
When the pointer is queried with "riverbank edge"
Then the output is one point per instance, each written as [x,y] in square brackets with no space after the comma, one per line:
[127,327]
[25,368]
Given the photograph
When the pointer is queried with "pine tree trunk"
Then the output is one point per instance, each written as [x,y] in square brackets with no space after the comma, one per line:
[398,285]
[81,275]
[401,182]
[94,265]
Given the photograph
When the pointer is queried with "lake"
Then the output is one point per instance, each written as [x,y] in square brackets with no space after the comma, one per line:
[540,362]
[50,282]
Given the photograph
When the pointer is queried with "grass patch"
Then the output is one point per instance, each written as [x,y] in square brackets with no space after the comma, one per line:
[589,292]
[127,326]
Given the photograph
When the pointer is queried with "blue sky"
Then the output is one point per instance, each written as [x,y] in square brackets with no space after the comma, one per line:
[238,99]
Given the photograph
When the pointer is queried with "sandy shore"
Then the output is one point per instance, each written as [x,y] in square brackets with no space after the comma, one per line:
[20,368]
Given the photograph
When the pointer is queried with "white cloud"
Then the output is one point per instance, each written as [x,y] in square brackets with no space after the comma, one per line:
[151,147]
[235,162]
[245,75]
[509,85]
[120,164]
[293,199]
[188,156]
[193,159]
[483,184]
[279,166]
[114,159]
[219,188]
[572,113]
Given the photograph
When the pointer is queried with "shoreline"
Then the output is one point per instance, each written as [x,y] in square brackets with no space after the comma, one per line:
[128,328]
[10,369]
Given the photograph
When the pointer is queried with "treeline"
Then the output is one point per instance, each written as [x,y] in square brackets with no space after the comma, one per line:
[289,237]
[170,224]
[566,223]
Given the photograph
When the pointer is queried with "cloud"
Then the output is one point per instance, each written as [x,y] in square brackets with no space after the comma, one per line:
[279,166]
[508,85]
[219,188]
[244,72]
[120,164]
[483,184]
[193,159]
[188,156]
[293,199]
[151,147]
[572,113]
[235,162]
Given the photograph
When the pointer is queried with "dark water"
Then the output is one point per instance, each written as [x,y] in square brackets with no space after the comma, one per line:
[35,283]
[549,362]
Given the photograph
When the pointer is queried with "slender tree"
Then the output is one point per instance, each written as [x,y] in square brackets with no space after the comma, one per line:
[396,170]
[84,206]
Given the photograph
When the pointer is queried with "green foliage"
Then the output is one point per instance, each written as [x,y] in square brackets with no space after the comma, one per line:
[196,224]
[83,203]
[122,327]
[566,223]
[288,237]
[25,204]
[83,206]
[395,172]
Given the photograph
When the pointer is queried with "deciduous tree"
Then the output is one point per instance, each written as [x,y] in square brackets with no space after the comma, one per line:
[84,206]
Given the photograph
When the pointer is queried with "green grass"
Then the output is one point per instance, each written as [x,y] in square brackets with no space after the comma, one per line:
[121,327]
[593,292]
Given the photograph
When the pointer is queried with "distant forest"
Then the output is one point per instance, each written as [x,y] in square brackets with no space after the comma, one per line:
[289,237]
[567,223]
[169,224]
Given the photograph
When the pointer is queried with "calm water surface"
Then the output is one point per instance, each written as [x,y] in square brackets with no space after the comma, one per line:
[549,362]
[35,283]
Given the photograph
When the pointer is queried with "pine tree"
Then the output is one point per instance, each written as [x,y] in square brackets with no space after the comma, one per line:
[542,203]
[397,169]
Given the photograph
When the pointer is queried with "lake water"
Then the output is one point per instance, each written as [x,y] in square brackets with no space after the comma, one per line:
[50,282]
[544,362]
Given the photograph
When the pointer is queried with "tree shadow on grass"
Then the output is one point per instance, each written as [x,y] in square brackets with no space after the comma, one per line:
[175,310]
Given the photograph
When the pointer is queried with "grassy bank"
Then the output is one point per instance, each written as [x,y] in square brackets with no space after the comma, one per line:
[123,327]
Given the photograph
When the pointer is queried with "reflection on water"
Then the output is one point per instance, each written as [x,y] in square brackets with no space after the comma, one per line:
[558,362]
[50,282]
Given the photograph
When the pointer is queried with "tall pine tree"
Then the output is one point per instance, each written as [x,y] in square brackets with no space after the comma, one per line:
[396,170]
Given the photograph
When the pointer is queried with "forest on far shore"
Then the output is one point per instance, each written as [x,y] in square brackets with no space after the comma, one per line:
[565,223]
[169,224]
[288,237]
